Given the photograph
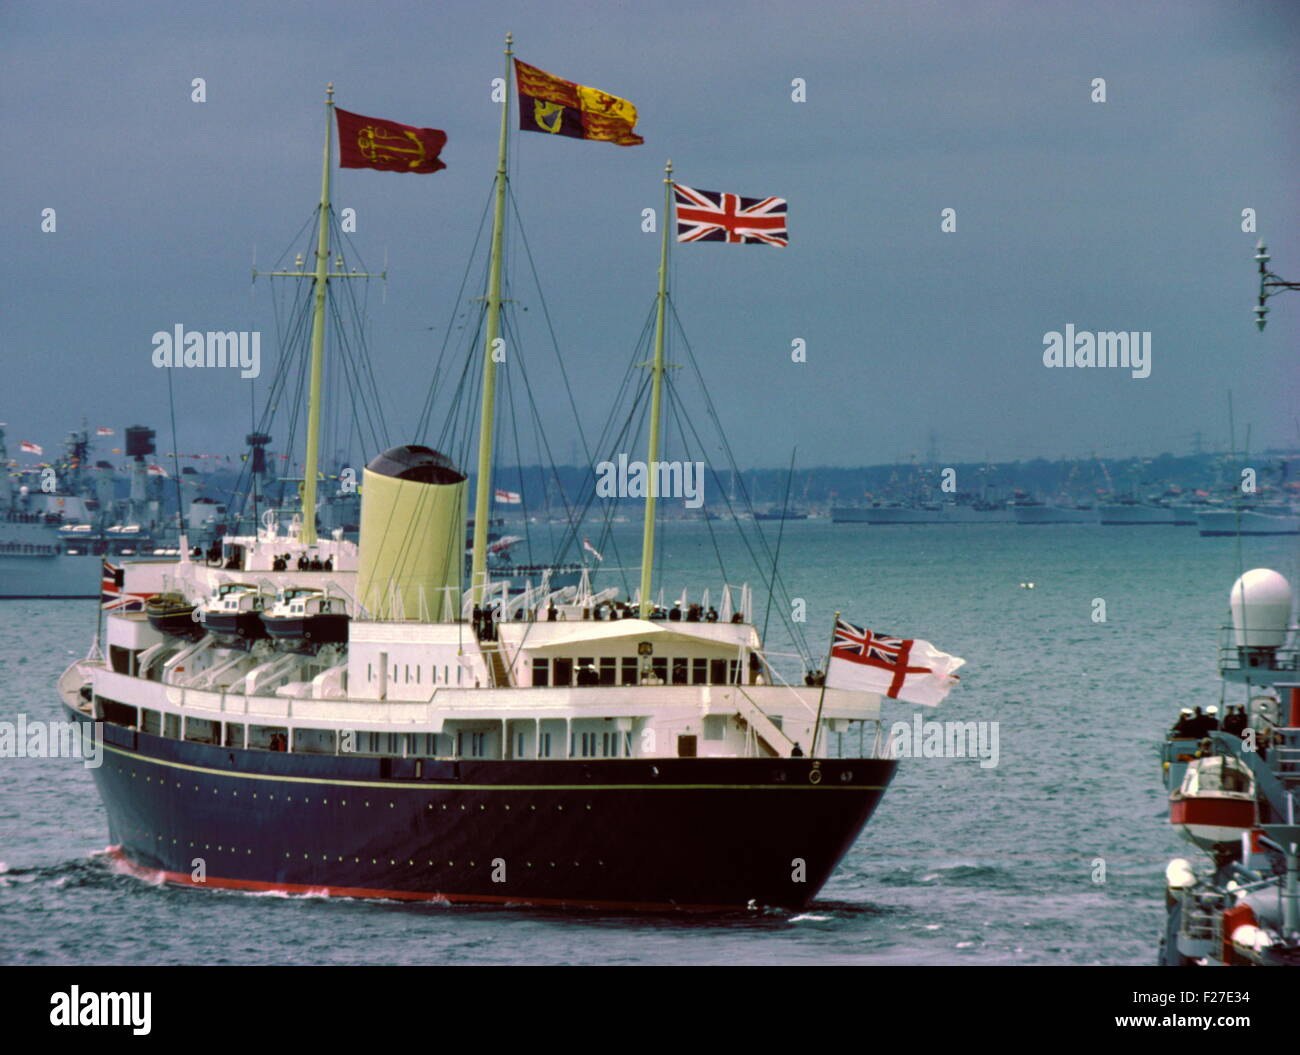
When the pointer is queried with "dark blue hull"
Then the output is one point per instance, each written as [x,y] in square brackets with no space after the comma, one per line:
[690,833]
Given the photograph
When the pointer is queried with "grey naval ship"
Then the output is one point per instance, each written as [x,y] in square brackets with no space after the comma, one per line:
[1233,780]
[57,530]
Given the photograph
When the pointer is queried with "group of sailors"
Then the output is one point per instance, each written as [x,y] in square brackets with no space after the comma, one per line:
[693,613]
[1195,725]
[484,618]
[305,563]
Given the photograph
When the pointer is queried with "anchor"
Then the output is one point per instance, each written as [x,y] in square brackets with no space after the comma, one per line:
[368,142]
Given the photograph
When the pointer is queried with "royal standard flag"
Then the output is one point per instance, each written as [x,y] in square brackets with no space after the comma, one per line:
[562,108]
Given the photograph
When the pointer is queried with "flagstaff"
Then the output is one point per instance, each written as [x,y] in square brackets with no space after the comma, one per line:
[308,531]
[483,495]
[656,395]
[821,696]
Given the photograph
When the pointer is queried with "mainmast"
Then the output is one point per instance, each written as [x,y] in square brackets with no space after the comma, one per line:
[483,494]
[656,396]
[308,531]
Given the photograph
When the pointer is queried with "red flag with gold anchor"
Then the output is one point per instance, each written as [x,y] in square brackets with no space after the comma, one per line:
[370,143]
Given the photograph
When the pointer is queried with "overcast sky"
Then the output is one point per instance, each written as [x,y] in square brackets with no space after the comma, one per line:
[1122,215]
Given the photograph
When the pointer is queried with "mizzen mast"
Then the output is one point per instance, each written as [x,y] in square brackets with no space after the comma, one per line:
[656,397]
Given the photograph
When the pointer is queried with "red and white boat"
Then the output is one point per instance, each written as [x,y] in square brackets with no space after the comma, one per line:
[1215,803]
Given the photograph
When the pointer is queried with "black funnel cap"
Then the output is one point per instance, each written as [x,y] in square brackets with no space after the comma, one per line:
[414,462]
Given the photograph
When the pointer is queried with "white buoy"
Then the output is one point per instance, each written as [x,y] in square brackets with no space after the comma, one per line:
[1261,609]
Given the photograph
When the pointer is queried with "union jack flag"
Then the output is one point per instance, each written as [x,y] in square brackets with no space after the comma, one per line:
[112,597]
[711,216]
[862,646]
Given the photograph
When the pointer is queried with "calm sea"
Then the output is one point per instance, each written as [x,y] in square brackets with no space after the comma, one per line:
[961,864]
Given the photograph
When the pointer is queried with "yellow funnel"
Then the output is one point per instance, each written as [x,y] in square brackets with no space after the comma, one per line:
[412,536]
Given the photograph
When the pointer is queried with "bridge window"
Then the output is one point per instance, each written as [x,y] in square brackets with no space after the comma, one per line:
[608,666]
[563,671]
[717,671]
[629,670]
[541,672]
[699,671]
[679,670]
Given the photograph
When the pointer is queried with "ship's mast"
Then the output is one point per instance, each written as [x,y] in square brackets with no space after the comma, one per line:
[656,396]
[320,293]
[483,495]
[308,531]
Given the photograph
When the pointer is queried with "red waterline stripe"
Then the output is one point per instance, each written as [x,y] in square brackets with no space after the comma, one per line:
[153,875]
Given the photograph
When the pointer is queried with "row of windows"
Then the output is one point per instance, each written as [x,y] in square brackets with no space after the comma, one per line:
[612,745]
[28,547]
[609,744]
[627,670]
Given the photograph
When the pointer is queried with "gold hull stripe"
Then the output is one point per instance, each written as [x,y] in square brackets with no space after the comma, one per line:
[430,785]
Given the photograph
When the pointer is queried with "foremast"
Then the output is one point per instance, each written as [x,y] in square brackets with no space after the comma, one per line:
[656,398]
[487,411]
[321,277]
[311,465]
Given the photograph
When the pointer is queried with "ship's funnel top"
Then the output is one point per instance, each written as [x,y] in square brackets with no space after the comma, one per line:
[416,463]
[1261,609]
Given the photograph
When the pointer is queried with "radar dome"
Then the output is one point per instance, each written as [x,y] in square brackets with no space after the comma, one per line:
[1261,609]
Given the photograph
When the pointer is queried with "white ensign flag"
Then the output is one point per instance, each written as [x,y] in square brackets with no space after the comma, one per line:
[904,669]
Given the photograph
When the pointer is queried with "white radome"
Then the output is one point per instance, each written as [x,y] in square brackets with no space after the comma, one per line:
[1261,609]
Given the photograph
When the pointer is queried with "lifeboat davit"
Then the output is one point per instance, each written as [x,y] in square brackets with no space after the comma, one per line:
[1215,802]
